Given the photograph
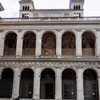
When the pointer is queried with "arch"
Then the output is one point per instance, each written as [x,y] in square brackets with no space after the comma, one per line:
[90,85]
[68,43]
[26,83]
[88,43]
[69,90]
[49,44]
[10,44]
[47,84]
[6,83]
[29,43]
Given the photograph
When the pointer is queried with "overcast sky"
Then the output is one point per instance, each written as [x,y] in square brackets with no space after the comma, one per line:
[91,7]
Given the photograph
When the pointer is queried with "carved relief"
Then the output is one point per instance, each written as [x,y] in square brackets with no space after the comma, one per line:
[88,44]
[68,43]
[68,40]
[53,64]
[88,40]
[29,43]
[49,44]
[10,44]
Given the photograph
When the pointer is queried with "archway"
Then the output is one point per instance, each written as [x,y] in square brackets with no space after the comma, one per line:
[10,44]
[26,84]
[47,86]
[88,44]
[90,85]
[68,44]
[49,44]
[6,83]
[69,84]
[29,43]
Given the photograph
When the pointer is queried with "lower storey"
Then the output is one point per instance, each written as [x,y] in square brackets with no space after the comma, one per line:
[68,82]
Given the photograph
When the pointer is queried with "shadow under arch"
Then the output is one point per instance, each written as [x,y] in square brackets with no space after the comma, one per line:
[90,85]
[26,83]
[6,83]
[47,84]
[69,90]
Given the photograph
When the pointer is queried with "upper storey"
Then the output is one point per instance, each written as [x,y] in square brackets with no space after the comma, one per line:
[27,10]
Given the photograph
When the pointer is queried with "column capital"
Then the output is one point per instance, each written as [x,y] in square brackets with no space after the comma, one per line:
[20,37]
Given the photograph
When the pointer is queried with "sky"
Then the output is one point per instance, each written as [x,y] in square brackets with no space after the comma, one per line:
[91,7]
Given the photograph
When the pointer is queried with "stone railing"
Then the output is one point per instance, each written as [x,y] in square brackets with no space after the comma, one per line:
[50,19]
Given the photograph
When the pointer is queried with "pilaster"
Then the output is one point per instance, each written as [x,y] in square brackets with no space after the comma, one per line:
[2,39]
[80,92]
[16,83]
[97,51]
[78,45]
[36,93]
[38,46]
[19,47]
[58,85]
[58,46]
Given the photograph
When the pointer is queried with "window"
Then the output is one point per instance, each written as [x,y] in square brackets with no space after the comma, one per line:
[25,15]
[76,7]
[25,8]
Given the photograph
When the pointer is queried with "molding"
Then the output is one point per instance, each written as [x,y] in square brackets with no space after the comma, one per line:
[48,64]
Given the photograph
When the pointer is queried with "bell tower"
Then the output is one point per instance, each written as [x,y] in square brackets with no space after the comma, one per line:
[77,6]
[26,8]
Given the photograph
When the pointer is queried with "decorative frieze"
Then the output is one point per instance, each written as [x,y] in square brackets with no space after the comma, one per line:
[65,64]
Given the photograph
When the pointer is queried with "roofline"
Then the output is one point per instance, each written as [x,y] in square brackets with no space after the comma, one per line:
[1,7]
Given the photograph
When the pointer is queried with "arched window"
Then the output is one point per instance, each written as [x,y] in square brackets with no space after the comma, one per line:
[26,84]
[47,84]
[88,44]
[68,44]
[69,84]
[29,43]
[6,83]
[10,44]
[49,44]
[90,85]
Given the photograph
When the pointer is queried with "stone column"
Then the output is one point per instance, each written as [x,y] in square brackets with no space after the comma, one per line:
[58,46]
[38,46]
[2,40]
[19,46]
[98,45]
[78,45]
[58,85]
[80,92]
[36,92]
[16,83]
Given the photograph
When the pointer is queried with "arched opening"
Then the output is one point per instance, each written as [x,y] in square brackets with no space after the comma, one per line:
[26,84]
[68,44]
[69,84]
[90,85]
[49,44]
[6,83]
[10,44]
[88,44]
[29,43]
[47,86]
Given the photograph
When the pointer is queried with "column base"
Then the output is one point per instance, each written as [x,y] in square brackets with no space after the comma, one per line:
[36,97]
[18,56]
[79,56]
[58,56]
[37,56]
